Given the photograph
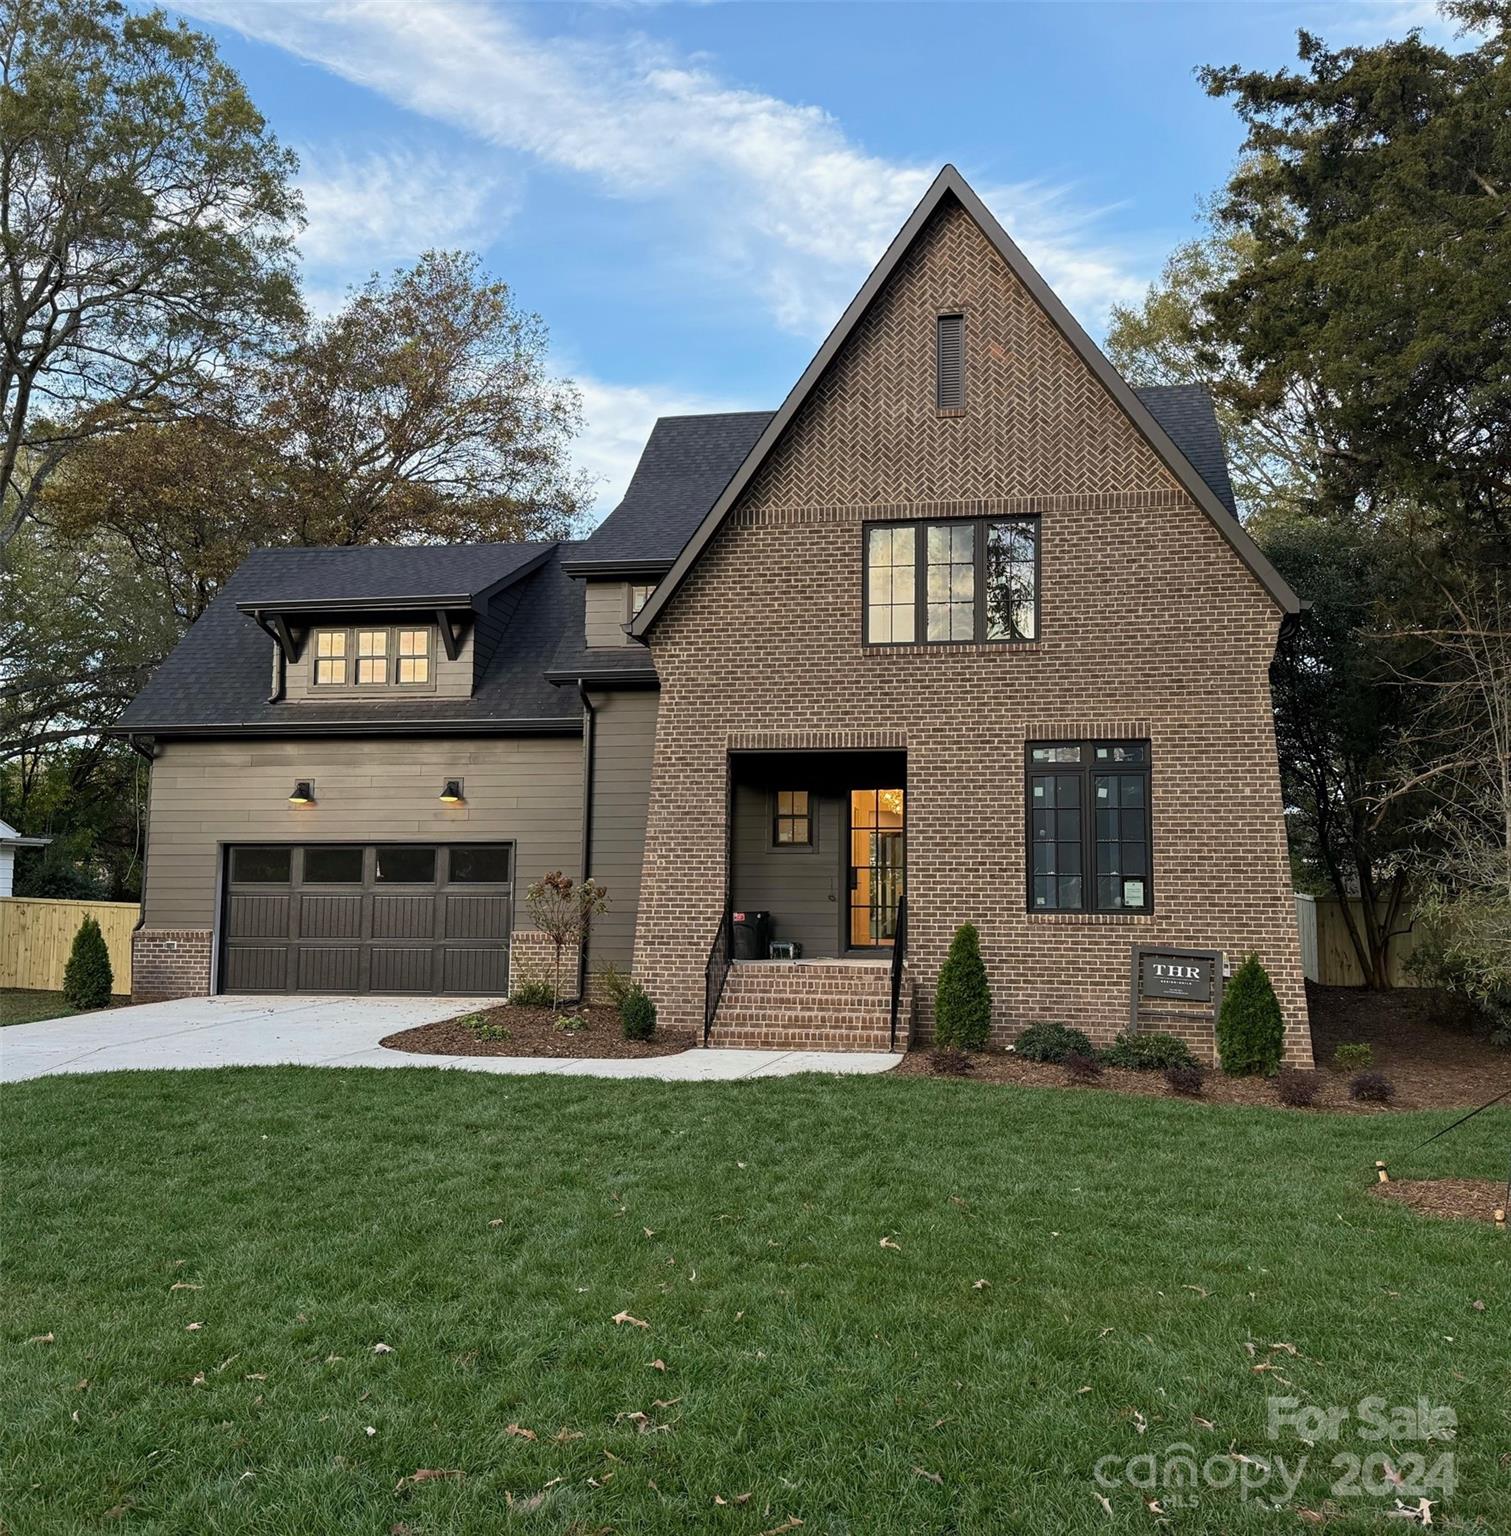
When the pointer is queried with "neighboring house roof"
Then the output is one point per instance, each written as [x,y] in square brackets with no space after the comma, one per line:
[685,463]
[220,674]
[10,838]
[950,183]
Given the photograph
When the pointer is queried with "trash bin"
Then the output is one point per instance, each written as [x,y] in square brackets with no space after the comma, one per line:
[752,934]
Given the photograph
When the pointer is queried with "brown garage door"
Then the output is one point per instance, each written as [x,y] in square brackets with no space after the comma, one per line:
[376,917]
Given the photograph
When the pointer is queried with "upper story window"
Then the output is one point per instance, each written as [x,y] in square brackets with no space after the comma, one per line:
[373,656]
[949,362]
[959,580]
[639,592]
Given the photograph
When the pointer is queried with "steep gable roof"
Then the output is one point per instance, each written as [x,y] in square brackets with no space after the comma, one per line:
[951,184]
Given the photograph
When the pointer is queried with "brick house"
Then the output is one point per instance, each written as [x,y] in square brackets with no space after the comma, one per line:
[967,630]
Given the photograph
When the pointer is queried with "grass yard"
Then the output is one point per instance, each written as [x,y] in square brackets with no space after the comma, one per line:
[488,1230]
[18,1006]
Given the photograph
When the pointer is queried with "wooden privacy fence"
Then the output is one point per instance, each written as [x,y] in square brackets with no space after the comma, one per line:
[36,936]
[1328,957]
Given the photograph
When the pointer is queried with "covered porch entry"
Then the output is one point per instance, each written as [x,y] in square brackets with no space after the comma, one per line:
[817,878]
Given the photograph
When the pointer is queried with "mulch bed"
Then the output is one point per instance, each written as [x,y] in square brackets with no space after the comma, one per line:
[1418,1038]
[533,1032]
[1455,1199]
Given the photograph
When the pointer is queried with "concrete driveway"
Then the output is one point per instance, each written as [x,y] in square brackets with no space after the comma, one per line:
[261,1031]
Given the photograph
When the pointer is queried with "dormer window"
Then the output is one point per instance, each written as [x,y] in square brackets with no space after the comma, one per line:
[374,656]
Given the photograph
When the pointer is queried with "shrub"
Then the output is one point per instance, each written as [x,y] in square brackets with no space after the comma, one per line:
[570,1023]
[613,985]
[1250,1030]
[1296,1088]
[486,1031]
[1351,1058]
[564,910]
[1185,1078]
[1080,1068]
[950,1061]
[87,978]
[963,1001]
[1148,1053]
[1051,1042]
[531,994]
[637,1014]
[1372,1088]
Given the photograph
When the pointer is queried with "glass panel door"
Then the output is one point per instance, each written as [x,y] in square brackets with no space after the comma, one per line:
[877,822]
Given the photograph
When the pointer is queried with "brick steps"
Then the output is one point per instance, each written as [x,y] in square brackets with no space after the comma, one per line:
[778,1005]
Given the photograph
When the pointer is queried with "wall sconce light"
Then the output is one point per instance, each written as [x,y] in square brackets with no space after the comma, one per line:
[304,792]
[451,792]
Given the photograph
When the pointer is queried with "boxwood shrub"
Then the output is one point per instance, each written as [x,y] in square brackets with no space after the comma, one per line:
[1052,1042]
[1250,1029]
[1151,1052]
[963,1001]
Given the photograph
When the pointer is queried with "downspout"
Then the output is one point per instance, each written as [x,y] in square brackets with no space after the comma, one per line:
[149,752]
[589,719]
[280,662]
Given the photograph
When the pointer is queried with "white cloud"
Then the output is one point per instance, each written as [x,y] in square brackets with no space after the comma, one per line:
[388,205]
[618,419]
[765,192]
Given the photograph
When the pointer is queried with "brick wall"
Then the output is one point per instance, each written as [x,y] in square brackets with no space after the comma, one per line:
[1150,627]
[170,962]
[532,958]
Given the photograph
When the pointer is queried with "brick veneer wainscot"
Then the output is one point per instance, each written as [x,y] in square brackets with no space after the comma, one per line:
[1150,627]
[170,962]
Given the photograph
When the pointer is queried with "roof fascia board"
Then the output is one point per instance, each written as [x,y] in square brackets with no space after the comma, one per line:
[548,726]
[950,182]
[612,568]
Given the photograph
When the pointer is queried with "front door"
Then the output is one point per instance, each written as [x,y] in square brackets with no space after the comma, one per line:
[877,823]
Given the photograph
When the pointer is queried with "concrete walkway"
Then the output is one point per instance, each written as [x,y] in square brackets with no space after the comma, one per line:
[243,1031]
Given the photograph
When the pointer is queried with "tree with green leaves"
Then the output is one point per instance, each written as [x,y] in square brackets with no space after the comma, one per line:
[147,218]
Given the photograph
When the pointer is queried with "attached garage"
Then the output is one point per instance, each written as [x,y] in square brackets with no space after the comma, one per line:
[367,917]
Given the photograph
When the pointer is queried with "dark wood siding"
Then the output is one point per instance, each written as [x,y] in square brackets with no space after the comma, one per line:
[800,887]
[626,737]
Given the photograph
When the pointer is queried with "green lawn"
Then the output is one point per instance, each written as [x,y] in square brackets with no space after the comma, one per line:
[488,1229]
[18,1006]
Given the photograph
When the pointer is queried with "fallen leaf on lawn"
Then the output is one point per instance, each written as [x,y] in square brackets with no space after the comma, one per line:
[1289,1349]
[255,1376]
[81,1386]
[1202,1423]
[1103,1334]
[1154,1506]
[1200,1290]
[647,1231]
[199,1379]
[497,1221]
[380,1348]
[1080,1390]
[1104,1501]
[1140,1423]
[980,1285]
[335,1359]
[564,1436]
[184,1285]
[116,1511]
[624,1317]
[193,1327]
[520,1432]
[369,1431]
[956,1200]
[1311,1516]
[1250,1347]
[887,1242]
[933,1477]
[740,1165]
[525,1506]
[75,1417]
[1478,1306]
[658,1365]
[426,1475]
[791,1523]
[41,1338]
[666,1402]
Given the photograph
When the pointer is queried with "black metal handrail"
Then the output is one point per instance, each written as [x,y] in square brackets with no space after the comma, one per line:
[899,950]
[716,972]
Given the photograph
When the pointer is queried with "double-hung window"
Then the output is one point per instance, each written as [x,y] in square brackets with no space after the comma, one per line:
[373,656]
[1090,843]
[959,579]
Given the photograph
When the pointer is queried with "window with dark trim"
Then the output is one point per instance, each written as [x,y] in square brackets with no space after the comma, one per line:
[961,579]
[640,592]
[791,820]
[373,656]
[1090,842]
[949,362]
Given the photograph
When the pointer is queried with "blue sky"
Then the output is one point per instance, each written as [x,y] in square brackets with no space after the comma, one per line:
[689,195]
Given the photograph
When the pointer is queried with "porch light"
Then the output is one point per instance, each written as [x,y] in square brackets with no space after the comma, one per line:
[304,792]
[451,792]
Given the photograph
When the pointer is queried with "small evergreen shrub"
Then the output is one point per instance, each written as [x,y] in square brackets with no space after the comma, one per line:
[1353,1058]
[1185,1078]
[1080,1068]
[962,1000]
[613,985]
[1372,1088]
[87,979]
[531,994]
[1250,1029]
[1296,1088]
[950,1061]
[1052,1042]
[1148,1053]
[637,1014]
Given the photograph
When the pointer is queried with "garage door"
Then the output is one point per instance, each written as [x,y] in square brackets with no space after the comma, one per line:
[376,917]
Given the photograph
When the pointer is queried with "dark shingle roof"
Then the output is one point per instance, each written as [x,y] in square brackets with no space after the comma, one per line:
[379,572]
[221,672]
[685,463]
[1185,412]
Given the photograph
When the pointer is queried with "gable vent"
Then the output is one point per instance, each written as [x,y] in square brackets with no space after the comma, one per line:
[950,362]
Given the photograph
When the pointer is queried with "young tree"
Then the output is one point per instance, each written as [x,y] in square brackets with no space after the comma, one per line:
[87,978]
[146,224]
[564,910]
[962,999]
